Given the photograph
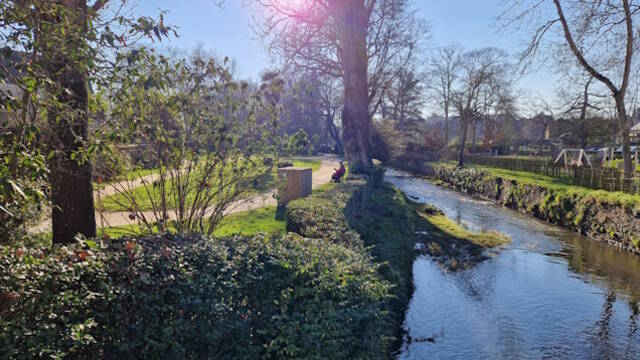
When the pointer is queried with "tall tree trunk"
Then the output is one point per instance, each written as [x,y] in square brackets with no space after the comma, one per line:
[625,133]
[333,131]
[73,209]
[446,127]
[473,134]
[583,114]
[543,136]
[464,125]
[352,20]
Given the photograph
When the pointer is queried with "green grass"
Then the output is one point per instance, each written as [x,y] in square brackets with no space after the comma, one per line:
[364,218]
[130,175]
[138,173]
[560,185]
[119,202]
[314,164]
[486,239]
[450,244]
[251,222]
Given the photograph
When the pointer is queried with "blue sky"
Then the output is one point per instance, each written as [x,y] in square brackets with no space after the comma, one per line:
[226,31]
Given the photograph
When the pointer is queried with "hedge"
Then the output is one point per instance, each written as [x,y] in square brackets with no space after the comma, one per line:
[194,297]
[369,218]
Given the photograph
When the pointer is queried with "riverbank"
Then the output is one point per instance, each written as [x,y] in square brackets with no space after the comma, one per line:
[610,217]
[336,286]
[382,221]
[378,222]
[551,293]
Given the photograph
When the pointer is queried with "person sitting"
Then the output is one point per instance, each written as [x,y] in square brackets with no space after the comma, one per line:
[339,173]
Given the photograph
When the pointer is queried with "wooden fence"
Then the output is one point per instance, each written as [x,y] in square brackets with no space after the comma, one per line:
[537,166]
[594,178]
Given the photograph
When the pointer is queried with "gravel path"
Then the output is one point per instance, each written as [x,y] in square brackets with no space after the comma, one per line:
[114,219]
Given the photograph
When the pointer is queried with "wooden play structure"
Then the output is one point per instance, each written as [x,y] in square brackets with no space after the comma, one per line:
[573,157]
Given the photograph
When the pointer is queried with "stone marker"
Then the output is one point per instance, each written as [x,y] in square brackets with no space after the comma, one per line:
[297,184]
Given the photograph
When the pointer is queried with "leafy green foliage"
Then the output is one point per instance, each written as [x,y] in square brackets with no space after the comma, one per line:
[172,297]
[49,52]
[205,133]
[376,220]
[297,144]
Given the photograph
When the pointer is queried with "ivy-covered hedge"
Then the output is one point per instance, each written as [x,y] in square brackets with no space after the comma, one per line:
[369,219]
[169,297]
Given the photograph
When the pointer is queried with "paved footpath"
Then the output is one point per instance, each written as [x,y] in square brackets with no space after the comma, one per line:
[114,219]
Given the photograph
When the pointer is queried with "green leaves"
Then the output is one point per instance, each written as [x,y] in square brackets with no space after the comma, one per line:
[191,297]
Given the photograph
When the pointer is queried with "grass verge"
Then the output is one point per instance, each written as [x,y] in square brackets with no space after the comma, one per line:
[563,186]
[379,222]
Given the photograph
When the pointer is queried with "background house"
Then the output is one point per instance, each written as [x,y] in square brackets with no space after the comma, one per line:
[635,134]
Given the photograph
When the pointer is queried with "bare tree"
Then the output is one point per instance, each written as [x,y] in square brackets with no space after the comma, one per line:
[579,97]
[330,98]
[406,100]
[599,34]
[363,42]
[482,87]
[442,71]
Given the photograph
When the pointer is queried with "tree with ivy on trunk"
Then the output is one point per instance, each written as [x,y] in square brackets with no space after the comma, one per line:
[67,45]
[365,43]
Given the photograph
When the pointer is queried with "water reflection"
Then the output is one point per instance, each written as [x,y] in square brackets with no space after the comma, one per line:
[551,294]
[602,263]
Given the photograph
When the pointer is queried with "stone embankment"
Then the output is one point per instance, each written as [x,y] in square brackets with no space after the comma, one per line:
[597,214]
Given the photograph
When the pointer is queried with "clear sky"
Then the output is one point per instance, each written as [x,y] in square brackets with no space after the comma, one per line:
[227,31]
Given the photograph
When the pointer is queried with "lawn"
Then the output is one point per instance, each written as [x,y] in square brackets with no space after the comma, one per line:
[120,202]
[314,164]
[252,222]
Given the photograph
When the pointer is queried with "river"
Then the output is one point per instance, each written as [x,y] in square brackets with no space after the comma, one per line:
[550,294]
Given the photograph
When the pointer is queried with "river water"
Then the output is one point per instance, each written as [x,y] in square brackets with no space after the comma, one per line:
[550,294]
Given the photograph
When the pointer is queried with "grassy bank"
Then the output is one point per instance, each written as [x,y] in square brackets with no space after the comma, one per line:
[385,223]
[611,217]
[562,186]
[449,243]
[375,221]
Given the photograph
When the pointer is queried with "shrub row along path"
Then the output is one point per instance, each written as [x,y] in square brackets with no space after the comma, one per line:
[116,219]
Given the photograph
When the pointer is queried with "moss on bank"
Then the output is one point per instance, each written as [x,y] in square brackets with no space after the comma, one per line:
[452,229]
[611,217]
[449,243]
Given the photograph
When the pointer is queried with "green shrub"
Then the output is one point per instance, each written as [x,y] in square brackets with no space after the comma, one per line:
[377,176]
[280,297]
[284,164]
[376,220]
